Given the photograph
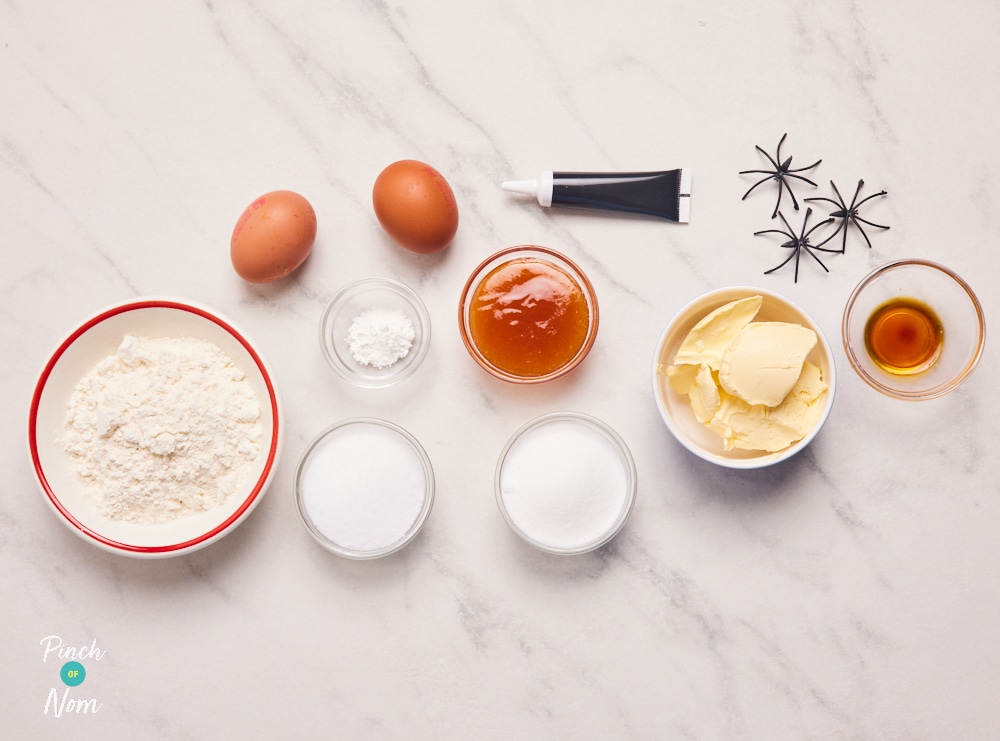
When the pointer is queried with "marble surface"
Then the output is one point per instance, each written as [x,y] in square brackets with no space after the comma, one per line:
[850,593]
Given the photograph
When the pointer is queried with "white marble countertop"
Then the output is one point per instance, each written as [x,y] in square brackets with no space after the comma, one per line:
[850,593]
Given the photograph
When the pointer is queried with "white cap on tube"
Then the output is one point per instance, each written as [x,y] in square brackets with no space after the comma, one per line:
[540,189]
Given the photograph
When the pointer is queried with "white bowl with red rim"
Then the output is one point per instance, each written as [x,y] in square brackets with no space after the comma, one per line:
[98,337]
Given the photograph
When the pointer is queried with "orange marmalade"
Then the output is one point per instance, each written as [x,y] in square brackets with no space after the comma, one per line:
[529,317]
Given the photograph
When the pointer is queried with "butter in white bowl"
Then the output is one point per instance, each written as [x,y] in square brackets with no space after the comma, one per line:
[764,361]
[755,372]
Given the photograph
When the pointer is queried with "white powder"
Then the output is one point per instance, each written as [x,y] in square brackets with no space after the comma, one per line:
[363,486]
[563,484]
[164,428]
[380,337]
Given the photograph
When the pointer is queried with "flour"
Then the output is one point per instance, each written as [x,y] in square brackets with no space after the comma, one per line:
[162,429]
[380,337]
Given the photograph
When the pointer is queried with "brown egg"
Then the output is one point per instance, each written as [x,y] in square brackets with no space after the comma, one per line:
[415,206]
[273,236]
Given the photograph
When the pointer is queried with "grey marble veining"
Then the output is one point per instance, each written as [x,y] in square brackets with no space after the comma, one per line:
[850,593]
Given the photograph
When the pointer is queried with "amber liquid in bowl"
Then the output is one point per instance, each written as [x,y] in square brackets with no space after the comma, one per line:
[904,336]
[529,317]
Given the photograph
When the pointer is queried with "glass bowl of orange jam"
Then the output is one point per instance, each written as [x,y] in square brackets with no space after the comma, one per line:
[528,314]
[914,330]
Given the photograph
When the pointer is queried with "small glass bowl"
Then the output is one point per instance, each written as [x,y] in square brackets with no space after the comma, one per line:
[343,429]
[543,254]
[675,409]
[948,296]
[614,523]
[347,304]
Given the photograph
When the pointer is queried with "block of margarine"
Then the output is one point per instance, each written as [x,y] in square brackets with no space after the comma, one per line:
[749,381]
[764,361]
[709,338]
[759,427]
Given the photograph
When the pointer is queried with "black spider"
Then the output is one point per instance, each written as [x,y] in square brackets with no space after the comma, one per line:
[780,173]
[849,215]
[799,243]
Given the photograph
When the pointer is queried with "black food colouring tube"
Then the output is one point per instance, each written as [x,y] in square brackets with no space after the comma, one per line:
[665,194]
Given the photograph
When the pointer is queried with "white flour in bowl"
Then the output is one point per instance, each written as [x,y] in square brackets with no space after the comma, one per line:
[164,428]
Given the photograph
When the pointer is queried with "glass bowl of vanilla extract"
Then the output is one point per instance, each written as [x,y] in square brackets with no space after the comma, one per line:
[914,330]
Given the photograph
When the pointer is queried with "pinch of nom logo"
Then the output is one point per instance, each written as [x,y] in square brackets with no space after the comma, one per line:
[72,673]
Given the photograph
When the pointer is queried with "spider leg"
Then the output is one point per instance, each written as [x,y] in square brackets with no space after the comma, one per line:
[814,257]
[869,223]
[774,231]
[788,259]
[759,182]
[840,227]
[781,188]
[769,158]
[867,241]
[802,169]
[805,236]
[791,174]
[820,198]
[795,203]
[840,198]
[777,152]
[788,226]
[865,200]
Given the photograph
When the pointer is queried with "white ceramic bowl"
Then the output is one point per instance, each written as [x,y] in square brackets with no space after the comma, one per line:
[97,338]
[676,408]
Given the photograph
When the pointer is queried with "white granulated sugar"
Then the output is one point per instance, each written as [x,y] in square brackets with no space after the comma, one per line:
[363,487]
[164,428]
[563,484]
[380,337]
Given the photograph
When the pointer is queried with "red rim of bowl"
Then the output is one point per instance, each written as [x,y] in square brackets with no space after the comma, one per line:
[47,371]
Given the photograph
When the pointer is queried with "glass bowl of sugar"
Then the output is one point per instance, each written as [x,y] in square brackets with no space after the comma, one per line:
[375,332]
[565,483]
[364,488]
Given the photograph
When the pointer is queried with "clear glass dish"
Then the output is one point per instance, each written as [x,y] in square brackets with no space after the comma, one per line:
[946,295]
[543,255]
[574,525]
[374,509]
[352,301]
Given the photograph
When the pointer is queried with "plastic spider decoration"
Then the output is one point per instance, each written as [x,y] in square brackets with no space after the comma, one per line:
[781,173]
[849,215]
[798,244]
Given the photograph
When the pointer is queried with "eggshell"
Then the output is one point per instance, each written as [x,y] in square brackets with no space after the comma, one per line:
[416,206]
[273,236]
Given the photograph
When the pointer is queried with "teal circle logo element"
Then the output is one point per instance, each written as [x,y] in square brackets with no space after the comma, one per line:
[72,673]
